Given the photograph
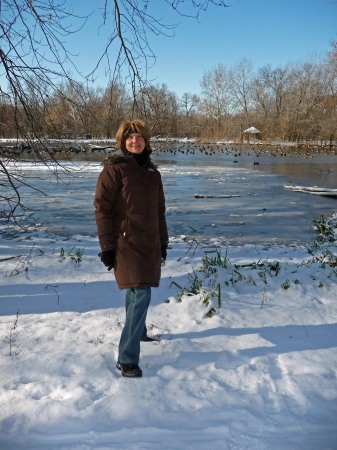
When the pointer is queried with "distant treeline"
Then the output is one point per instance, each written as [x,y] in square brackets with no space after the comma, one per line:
[294,103]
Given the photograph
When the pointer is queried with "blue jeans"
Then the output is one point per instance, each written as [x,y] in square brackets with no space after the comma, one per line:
[137,301]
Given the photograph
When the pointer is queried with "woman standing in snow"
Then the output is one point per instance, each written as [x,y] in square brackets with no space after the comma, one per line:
[132,232]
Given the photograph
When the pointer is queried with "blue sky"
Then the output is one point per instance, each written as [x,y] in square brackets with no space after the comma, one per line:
[264,31]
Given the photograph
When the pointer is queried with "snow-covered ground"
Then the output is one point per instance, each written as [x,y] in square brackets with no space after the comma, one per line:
[257,372]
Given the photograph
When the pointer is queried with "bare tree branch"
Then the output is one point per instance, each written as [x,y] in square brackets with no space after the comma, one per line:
[42,93]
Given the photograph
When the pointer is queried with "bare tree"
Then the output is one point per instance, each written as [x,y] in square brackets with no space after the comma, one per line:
[33,60]
[188,104]
[36,63]
[240,85]
[159,107]
[333,51]
[240,78]
[262,103]
[276,83]
[216,100]
[32,54]
[327,116]
[188,114]
[306,91]
[115,106]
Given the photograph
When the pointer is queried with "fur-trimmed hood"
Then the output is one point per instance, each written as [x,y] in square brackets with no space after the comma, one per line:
[116,157]
[119,157]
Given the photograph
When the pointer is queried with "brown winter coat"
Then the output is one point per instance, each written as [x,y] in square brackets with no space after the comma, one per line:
[130,217]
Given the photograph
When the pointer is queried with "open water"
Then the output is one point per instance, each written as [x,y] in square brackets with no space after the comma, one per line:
[244,196]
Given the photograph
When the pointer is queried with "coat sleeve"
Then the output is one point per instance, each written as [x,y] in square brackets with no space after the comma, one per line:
[108,185]
[162,218]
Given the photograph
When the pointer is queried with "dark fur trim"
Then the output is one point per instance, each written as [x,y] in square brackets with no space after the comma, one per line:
[116,158]
[119,157]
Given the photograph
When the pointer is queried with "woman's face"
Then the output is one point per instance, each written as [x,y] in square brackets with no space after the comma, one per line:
[135,143]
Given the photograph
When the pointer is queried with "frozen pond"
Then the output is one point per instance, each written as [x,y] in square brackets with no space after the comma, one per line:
[258,208]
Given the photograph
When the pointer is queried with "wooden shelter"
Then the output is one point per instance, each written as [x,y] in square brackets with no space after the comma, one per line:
[252,131]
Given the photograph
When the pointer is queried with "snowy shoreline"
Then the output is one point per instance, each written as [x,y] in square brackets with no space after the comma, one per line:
[260,371]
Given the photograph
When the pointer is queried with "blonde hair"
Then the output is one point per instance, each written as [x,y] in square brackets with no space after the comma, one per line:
[133,126]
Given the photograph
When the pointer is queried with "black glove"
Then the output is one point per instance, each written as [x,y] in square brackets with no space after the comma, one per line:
[108,258]
[164,253]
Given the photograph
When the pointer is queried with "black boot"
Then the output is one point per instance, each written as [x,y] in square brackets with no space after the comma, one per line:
[129,370]
[147,338]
